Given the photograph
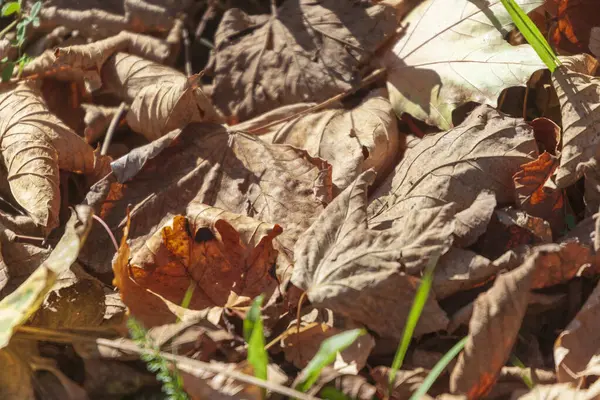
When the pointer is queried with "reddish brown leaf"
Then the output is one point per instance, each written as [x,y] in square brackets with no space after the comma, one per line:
[534,197]
[575,19]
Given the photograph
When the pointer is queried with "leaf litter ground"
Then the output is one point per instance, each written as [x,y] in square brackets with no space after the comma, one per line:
[320,154]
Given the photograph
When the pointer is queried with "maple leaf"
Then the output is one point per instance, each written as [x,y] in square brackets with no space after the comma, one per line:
[453,52]
[207,164]
[317,45]
[359,272]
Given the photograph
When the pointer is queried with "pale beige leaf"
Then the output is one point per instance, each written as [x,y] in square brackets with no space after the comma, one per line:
[482,154]
[35,145]
[360,273]
[453,52]
[352,141]
[578,92]
[306,51]
[162,98]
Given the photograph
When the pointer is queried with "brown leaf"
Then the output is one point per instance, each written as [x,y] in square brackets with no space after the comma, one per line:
[353,386]
[481,154]
[575,19]
[580,341]
[300,346]
[319,46]
[35,144]
[16,374]
[205,164]
[358,272]
[352,141]
[460,270]
[578,93]
[218,251]
[498,314]
[162,98]
[534,197]
[496,319]
[84,62]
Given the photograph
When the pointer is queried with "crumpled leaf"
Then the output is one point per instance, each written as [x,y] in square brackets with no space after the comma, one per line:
[578,94]
[205,164]
[453,52]
[35,144]
[84,62]
[318,45]
[499,312]
[496,319]
[301,345]
[482,154]
[98,19]
[352,141]
[580,340]
[535,197]
[218,251]
[18,306]
[358,272]
[406,382]
[162,98]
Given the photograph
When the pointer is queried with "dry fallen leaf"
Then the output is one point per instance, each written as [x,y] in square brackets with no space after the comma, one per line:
[35,144]
[578,94]
[361,273]
[461,165]
[537,199]
[206,164]
[162,98]
[319,46]
[496,319]
[352,141]
[580,341]
[453,52]
[300,342]
[575,19]
[18,306]
[217,251]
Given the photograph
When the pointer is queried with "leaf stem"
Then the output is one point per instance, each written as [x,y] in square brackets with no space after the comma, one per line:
[8,28]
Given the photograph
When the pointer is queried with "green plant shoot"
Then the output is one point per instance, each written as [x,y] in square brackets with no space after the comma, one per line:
[254,336]
[438,369]
[532,34]
[413,317]
[325,356]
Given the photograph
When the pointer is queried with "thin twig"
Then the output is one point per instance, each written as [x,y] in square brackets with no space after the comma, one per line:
[209,13]
[367,81]
[179,361]
[186,51]
[112,127]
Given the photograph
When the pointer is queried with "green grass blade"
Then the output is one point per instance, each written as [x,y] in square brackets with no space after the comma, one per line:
[326,355]
[438,369]
[532,34]
[187,298]
[254,336]
[514,360]
[413,317]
